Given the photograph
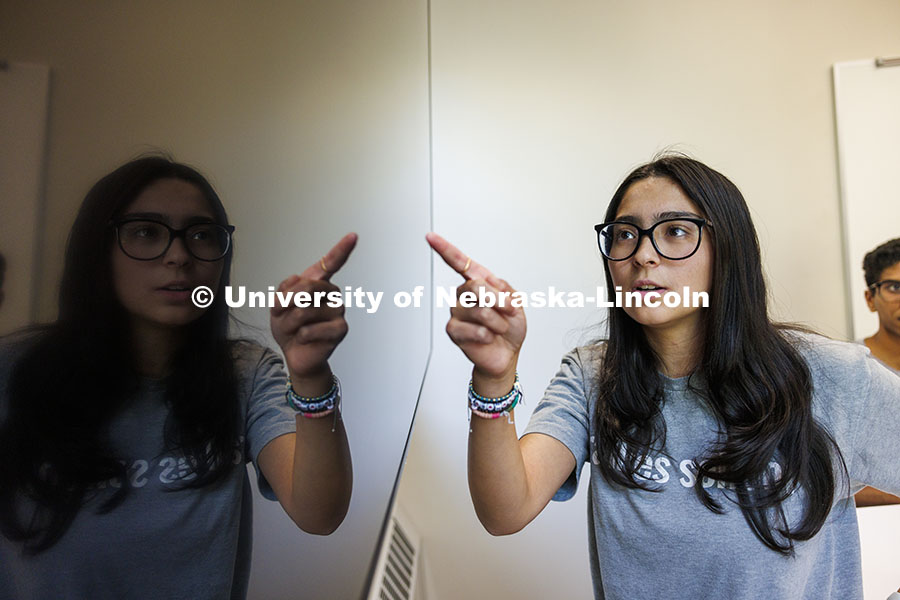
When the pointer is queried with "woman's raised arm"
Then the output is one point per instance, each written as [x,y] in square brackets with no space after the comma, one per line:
[311,471]
[510,480]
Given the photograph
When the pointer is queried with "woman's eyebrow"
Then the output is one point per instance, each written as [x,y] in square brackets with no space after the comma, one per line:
[676,214]
[669,214]
[198,219]
[146,215]
[166,219]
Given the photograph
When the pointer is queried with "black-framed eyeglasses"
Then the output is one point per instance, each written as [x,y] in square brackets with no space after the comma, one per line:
[146,239]
[675,239]
[888,288]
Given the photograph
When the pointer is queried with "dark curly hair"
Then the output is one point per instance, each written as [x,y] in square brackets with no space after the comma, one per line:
[884,256]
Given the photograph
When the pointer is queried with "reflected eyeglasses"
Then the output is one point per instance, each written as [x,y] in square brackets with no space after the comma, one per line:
[146,239]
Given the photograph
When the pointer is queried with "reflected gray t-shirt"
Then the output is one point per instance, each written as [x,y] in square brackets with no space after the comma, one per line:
[668,545]
[190,544]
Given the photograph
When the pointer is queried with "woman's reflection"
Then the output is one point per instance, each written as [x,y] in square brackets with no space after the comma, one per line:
[128,421]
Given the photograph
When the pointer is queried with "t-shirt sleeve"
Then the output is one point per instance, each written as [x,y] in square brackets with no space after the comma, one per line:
[268,415]
[876,428]
[563,415]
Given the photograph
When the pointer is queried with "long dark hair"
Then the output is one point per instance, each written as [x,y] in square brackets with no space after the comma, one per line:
[77,373]
[752,378]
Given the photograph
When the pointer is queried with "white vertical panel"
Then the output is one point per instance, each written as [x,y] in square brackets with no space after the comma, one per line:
[310,118]
[23,125]
[867,108]
[879,538]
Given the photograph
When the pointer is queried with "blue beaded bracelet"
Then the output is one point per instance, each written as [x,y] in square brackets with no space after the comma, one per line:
[512,392]
[495,415]
[492,408]
[317,406]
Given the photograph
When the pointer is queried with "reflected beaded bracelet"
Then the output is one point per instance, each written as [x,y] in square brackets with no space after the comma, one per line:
[317,406]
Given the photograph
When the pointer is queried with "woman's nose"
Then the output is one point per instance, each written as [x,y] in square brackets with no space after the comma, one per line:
[177,254]
[646,253]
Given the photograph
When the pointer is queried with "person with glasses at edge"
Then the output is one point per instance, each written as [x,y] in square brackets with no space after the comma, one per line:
[125,425]
[724,447]
[881,268]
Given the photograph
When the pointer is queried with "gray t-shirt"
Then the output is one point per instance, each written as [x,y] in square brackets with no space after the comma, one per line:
[190,544]
[668,545]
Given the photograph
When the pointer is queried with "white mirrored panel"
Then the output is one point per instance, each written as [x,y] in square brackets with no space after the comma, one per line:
[866,97]
[311,120]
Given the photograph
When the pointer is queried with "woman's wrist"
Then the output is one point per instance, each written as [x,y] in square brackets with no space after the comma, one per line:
[316,407]
[494,406]
[494,386]
[311,384]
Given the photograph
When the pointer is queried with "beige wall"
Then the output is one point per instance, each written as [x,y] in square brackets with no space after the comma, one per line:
[311,120]
[540,109]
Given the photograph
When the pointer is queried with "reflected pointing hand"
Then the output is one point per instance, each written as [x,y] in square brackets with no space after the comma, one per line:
[308,336]
[489,337]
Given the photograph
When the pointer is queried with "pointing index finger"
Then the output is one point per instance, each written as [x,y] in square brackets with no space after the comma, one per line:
[456,260]
[331,263]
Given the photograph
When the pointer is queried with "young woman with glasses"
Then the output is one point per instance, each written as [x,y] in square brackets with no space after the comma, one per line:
[127,423]
[723,447]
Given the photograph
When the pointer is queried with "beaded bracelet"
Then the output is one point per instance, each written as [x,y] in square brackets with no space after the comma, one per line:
[495,415]
[318,406]
[512,392]
[493,408]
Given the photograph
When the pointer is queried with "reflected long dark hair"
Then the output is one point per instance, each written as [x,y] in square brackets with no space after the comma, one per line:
[76,374]
[753,380]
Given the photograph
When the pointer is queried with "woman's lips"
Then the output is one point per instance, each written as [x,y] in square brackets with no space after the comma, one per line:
[175,295]
[644,292]
[645,286]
